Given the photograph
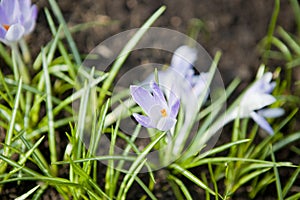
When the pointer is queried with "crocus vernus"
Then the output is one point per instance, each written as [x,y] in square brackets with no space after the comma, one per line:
[17,18]
[160,113]
[182,63]
[256,98]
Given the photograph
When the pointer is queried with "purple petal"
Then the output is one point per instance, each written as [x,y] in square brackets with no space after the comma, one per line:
[143,120]
[142,97]
[262,122]
[166,123]
[29,24]
[2,32]
[14,33]
[8,9]
[25,5]
[3,17]
[174,109]
[34,12]
[158,94]
[15,15]
[172,97]
[263,85]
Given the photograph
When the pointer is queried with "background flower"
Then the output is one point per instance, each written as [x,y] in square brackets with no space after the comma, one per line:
[255,99]
[17,18]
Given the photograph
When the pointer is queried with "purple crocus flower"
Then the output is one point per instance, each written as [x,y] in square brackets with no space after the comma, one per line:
[160,113]
[17,18]
[256,98]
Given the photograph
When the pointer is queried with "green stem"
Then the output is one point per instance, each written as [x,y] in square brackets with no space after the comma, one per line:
[271,30]
[25,51]
[21,66]
[126,51]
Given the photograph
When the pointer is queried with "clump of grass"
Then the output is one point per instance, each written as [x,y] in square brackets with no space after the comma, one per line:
[31,116]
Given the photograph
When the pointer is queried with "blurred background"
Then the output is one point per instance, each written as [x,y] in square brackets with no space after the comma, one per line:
[235,27]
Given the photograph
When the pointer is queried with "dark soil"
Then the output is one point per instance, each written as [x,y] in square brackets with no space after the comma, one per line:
[235,27]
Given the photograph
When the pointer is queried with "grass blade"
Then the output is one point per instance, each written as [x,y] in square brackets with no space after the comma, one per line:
[57,12]
[137,163]
[9,135]
[51,130]
[126,51]
[27,194]
[277,178]
[192,178]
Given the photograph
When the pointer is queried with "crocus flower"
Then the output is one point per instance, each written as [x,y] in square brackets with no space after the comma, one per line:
[182,63]
[17,18]
[183,59]
[255,99]
[160,113]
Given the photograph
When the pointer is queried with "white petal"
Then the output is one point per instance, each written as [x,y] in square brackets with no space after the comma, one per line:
[165,123]
[14,33]
[183,59]
[256,101]
[271,112]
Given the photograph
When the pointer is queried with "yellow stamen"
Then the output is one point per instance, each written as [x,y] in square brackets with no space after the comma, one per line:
[163,112]
[5,26]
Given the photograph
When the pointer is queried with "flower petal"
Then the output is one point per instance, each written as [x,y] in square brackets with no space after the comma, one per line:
[15,15]
[142,97]
[14,33]
[3,17]
[257,101]
[2,32]
[166,123]
[143,120]
[158,94]
[29,24]
[174,109]
[200,83]
[183,59]
[271,112]
[9,10]
[262,122]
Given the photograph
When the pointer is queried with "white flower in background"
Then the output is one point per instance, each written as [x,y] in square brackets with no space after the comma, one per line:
[255,99]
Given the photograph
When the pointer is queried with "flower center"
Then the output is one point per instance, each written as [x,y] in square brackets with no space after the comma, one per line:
[5,26]
[163,112]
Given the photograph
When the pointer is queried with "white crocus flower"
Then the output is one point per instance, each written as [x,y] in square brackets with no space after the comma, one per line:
[255,99]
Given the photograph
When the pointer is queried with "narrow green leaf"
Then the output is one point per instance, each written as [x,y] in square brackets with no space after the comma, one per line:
[137,162]
[277,178]
[27,194]
[192,178]
[296,9]
[9,135]
[126,51]
[290,182]
[57,12]
[49,106]
[182,186]
[271,28]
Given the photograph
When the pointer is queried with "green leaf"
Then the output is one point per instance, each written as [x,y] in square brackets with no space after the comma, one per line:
[27,194]
[191,177]
[49,106]
[126,51]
